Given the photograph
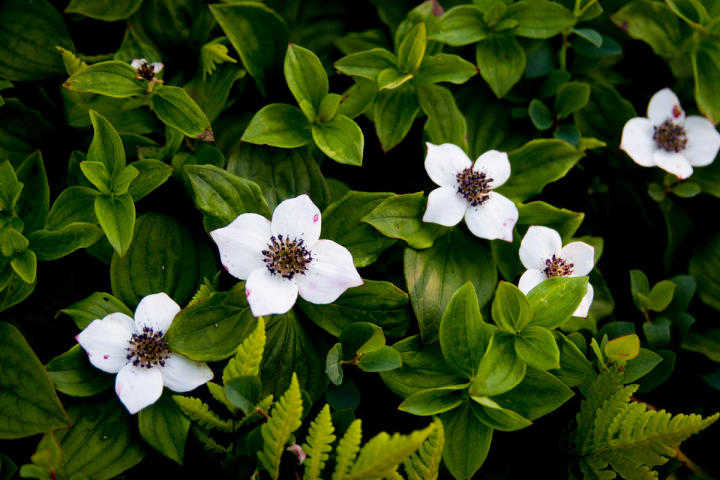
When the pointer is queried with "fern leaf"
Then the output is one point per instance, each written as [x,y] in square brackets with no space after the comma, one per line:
[203,293]
[394,475]
[380,456]
[200,413]
[248,355]
[208,442]
[347,450]
[212,53]
[253,416]
[597,392]
[218,393]
[424,464]
[318,444]
[284,419]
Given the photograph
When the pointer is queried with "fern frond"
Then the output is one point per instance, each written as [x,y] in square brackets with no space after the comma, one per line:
[318,444]
[208,442]
[395,475]
[218,393]
[597,392]
[284,419]
[248,355]
[203,293]
[424,464]
[347,450]
[199,412]
[212,53]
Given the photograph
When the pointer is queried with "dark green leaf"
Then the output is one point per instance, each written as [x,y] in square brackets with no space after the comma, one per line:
[511,310]
[707,343]
[539,18]
[575,369]
[445,123]
[706,67]
[497,417]
[554,300]
[641,365]
[106,147]
[279,125]
[112,79]
[305,76]
[152,174]
[400,216]
[107,10]
[381,360]
[54,244]
[705,267]
[652,22]
[460,25]
[537,395]
[73,374]
[536,346]
[366,64]
[571,97]
[500,369]
[165,428]
[444,67]
[463,428]
[94,307]
[501,61]
[116,216]
[175,108]
[25,265]
[340,139]
[244,392]
[434,400]
[565,222]
[394,113]
[34,202]
[540,114]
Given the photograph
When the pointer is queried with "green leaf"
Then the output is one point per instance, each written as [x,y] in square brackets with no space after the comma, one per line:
[623,348]
[151,174]
[705,267]
[463,428]
[536,346]
[51,245]
[328,107]
[164,257]
[511,310]
[34,202]
[500,369]
[641,365]
[29,405]
[661,295]
[98,175]
[112,78]
[222,196]
[412,49]
[497,417]
[366,64]
[122,180]
[284,420]
[571,97]
[565,222]
[652,22]
[537,395]
[445,123]
[501,61]
[11,188]
[692,11]
[333,367]
[347,450]
[444,67]
[391,78]
[342,224]
[107,10]
[435,274]
[460,25]
[174,107]
[435,400]
[318,444]
[25,265]
[165,428]
[540,114]
[16,290]
[539,18]
[116,216]
[605,114]
[425,463]
[212,54]
[554,300]
[383,453]
[340,139]
[106,147]
[244,392]
[258,34]
[394,113]
[279,125]
[73,374]
[536,164]
[248,355]
[96,306]
[381,360]
[707,343]
[305,76]
[589,34]
[212,94]
[400,216]
[706,66]
[361,337]
[200,414]
[575,369]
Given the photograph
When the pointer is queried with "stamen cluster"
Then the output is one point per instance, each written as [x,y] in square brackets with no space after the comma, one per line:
[146,71]
[557,267]
[148,349]
[473,186]
[670,136]
[286,257]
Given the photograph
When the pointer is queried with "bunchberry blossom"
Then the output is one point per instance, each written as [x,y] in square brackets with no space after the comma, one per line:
[284,257]
[669,140]
[466,190]
[542,253]
[146,71]
[137,352]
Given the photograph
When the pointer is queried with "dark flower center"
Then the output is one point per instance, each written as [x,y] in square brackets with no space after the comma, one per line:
[147,349]
[473,186]
[557,267]
[670,136]
[146,71]
[286,257]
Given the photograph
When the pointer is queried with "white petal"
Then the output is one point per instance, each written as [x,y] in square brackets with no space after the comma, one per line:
[637,141]
[539,244]
[672,162]
[584,307]
[703,141]
[581,255]
[180,374]
[445,207]
[138,387]
[297,218]
[496,165]
[531,279]
[329,275]
[156,311]
[665,105]
[241,244]
[444,162]
[106,341]
[493,219]
[137,63]
[268,294]
[157,66]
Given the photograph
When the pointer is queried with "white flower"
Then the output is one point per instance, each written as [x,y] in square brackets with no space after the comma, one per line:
[466,190]
[146,70]
[284,257]
[542,253]
[137,352]
[669,140]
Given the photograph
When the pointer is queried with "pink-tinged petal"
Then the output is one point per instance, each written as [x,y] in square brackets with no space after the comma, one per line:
[444,162]
[137,63]
[445,207]
[703,141]
[674,163]
[496,165]
[531,279]
[330,273]
[297,218]
[157,66]
[156,311]
[180,374]
[637,141]
[494,219]
[664,105]
[241,244]
[138,387]
[581,255]
[270,294]
[584,307]
[106,341]
[539,244]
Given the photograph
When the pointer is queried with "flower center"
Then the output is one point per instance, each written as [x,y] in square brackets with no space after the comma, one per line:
[670,136]
[557,267]
[473,186]
[286,257]
[148,349]
[146,71]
